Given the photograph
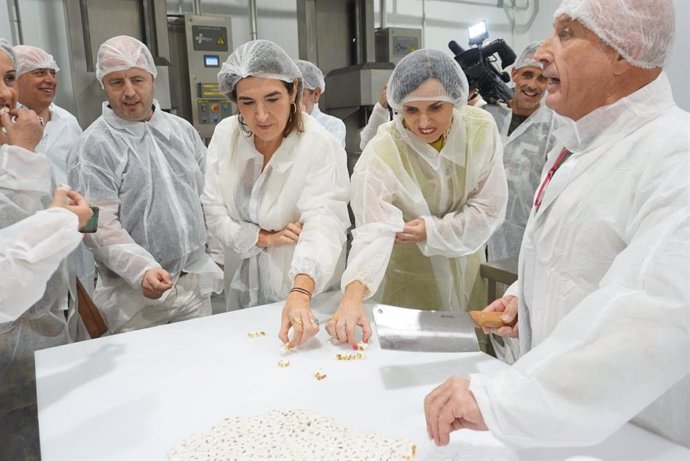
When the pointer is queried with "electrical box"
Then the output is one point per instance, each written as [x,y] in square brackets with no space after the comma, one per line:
[208,40]
[393,43]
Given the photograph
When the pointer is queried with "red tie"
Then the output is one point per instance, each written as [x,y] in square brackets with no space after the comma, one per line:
[542,189]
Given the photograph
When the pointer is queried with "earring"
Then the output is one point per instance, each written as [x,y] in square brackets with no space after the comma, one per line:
[243,125]
[292,113]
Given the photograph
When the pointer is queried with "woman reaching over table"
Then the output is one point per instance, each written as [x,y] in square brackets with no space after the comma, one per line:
[276,191]
[427,193]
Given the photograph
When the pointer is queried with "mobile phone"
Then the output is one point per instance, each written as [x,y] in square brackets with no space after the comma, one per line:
[92,224]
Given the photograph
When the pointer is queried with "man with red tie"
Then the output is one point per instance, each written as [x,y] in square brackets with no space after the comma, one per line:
[601,301]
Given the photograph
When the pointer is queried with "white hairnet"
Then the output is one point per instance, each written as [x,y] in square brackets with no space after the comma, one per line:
[258,58]
[30,58]
[121,53]
[640,30]
[312,75]
[7,48]
[420,66]
[526,59]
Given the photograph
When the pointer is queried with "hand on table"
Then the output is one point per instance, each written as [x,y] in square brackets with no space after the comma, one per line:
[298,317]
[450,407]
[350,314]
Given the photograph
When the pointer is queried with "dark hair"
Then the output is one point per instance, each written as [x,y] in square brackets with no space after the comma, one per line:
[295,121]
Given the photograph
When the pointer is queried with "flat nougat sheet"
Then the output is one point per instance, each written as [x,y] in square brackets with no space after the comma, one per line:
[289,435]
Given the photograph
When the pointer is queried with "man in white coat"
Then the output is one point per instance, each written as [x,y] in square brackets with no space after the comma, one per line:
[37,85]
[314,87]
[526,129]
[35,309]
[602,298]
[144,168]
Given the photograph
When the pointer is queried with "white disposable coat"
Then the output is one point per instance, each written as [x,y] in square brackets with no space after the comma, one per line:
[146,177]
[333,125]
[60,134]
[305,180]
[25,188]
[30,252]
[603,285]
[524,156]
[379,115]
[460,193]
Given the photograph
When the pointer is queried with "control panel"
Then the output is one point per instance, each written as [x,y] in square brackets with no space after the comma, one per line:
[208,47]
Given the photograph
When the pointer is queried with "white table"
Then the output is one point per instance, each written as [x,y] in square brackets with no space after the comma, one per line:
[136,395]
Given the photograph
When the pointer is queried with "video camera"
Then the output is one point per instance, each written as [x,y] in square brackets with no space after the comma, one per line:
[477,64]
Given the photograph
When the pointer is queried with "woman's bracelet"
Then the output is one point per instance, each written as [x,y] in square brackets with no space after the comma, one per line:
[301,290]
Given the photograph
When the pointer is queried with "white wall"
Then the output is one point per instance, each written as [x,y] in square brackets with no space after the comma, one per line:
[276,19]
[440,20]
[446,20]
[44,25]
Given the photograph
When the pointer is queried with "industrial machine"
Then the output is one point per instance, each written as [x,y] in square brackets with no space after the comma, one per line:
[199,47]
[393,43]
[188,50]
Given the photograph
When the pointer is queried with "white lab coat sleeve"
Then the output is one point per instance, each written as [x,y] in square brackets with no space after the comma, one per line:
[30,252]
[112,245]
[616,352]
[340,132]
[214,247]
[377,222]
[323,213]
[379,116]
[25,179]
[465,231]
[223,228]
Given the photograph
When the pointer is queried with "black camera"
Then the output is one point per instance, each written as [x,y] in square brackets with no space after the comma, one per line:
[482,75]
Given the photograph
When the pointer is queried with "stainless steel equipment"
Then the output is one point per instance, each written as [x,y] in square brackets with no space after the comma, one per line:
[405,329]
[393,43]
[338,36]
[200,45]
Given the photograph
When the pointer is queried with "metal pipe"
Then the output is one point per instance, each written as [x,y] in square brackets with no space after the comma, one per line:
[423,22]
[15,22]
[197,6]
[86,32]
[149,27]
[359,39]
[382,13]
[252,19]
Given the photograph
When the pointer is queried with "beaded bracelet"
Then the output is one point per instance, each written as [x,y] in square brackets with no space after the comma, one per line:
[301,290]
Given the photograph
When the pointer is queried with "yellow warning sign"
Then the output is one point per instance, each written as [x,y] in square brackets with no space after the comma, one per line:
[220,41]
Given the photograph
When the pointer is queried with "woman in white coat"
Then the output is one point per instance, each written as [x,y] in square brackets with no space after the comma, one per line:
[44,317]
[427,193]
[276,190]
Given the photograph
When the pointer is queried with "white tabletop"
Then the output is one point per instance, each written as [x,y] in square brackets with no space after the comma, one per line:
[136,395]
